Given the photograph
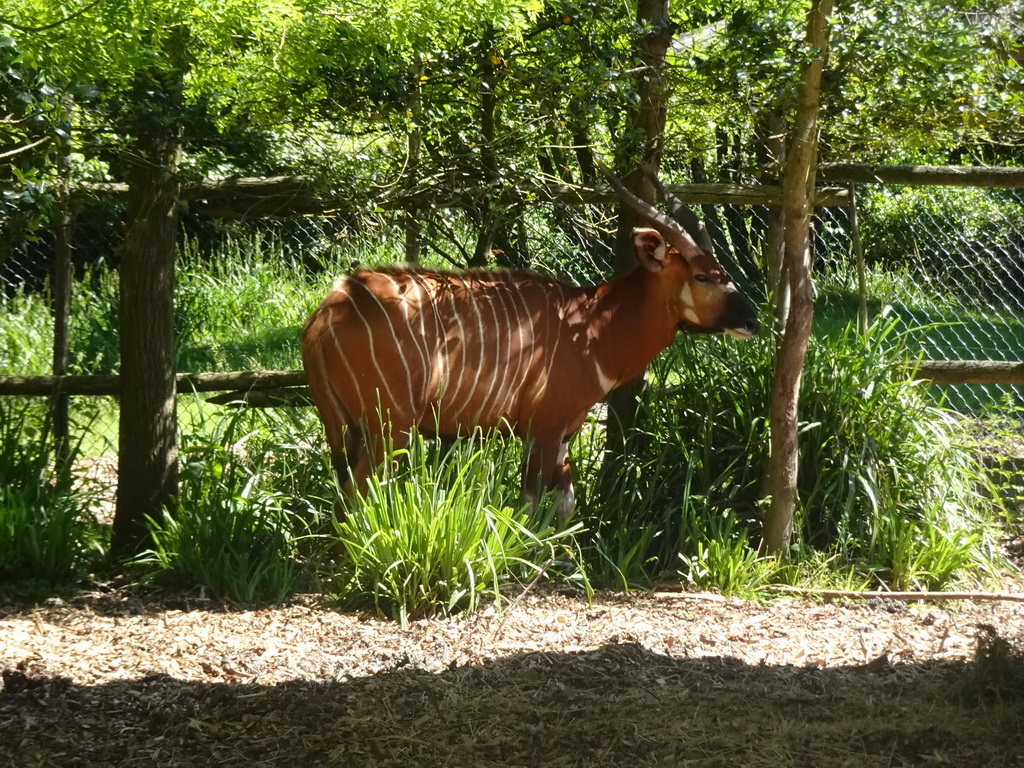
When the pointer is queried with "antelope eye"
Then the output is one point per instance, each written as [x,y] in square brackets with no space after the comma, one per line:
[700,277]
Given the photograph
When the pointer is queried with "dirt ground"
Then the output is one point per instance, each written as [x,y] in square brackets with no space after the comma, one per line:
[625,680]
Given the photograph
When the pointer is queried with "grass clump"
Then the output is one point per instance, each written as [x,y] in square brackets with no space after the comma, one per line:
[243,528]
[240,308]
[889,491]
[441,528]
[888,479]
[47,535]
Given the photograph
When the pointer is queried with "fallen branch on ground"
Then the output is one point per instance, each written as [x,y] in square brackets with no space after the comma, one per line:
[833,594]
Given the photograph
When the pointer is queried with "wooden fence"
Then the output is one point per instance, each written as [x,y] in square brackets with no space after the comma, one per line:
[152,366]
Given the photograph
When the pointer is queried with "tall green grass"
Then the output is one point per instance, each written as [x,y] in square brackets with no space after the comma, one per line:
[889,486]
[26,335]
[441,527]
[241,308]
[248,520]
[47,533]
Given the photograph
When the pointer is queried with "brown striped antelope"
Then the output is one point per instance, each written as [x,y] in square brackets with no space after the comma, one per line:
[390,350]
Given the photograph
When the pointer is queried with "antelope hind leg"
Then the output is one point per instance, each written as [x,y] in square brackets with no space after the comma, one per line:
[547,468]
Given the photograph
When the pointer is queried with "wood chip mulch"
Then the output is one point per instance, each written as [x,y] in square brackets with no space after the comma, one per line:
[630,680]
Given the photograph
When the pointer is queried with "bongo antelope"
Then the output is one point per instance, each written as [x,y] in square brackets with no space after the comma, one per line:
[445,352]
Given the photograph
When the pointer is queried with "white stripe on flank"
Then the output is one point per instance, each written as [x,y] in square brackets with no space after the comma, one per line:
[502,373]
[415,339]
[382,378]
[423,299]
[481,342]
[457,383]
[342,416]
[341,353]
[495,365]
[553,314]
[523,327]
[442,365]
[400,349]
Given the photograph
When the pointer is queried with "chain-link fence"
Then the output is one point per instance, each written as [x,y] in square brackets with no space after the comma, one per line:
[948,261]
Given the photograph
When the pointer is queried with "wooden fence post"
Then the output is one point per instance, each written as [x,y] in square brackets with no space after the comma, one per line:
[61,288]
[858,255]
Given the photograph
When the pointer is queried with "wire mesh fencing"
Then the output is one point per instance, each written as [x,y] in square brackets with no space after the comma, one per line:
[947,262]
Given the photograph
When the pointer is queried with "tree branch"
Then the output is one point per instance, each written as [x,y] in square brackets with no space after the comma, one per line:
[909,597]
[65,20]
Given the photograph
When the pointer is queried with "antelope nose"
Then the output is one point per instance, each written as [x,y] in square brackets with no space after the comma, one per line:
[752,325]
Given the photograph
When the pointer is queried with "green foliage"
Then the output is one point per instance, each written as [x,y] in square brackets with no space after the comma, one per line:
[241,307]
[96,318]
[26,334]
[909,227]
[440,529]
[915,79]
[887,483]
[889,479]
[46,532]
[244,525]
[695,477]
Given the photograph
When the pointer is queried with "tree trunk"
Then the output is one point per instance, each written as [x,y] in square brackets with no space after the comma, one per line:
[491,218]
[648,122]
[798,196]
[412,224]
[148,446]
[772,155]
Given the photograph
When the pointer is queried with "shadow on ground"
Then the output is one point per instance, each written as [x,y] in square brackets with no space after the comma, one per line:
[619,705]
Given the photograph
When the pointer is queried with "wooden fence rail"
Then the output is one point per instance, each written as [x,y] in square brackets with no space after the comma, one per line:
[243,381]
[287,388]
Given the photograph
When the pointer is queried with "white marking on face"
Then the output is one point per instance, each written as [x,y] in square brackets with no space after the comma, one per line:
[691,316]
[686,296]
[604,381]
[739,333]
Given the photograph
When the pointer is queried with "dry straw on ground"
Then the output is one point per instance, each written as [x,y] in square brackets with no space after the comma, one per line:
[554,681]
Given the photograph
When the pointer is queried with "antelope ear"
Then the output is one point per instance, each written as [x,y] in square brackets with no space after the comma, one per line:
[650,248]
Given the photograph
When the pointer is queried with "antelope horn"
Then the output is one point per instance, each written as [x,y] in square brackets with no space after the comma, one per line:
[669,229]
[682,214]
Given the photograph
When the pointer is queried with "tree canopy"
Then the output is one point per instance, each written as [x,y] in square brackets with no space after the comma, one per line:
[493,91]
